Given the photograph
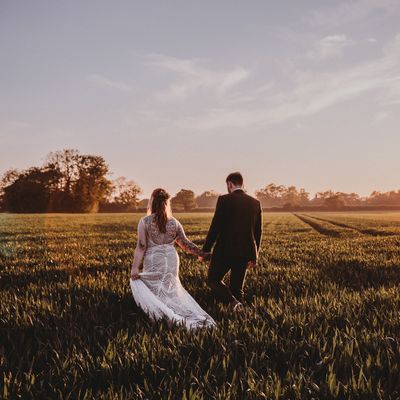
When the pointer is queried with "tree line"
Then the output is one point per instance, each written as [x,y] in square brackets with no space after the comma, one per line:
[281,196]
[69,181]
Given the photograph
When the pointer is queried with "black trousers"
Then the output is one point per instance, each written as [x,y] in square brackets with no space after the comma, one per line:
[219,267]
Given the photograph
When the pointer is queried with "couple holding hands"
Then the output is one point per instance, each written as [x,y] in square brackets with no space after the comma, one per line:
[235,233]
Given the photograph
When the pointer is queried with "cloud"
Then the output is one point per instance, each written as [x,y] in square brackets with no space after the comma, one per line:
[391,97]
[231,78]
[348,12]
[216,100]
[102,81]
[311,93]
[330,47]
[192,77]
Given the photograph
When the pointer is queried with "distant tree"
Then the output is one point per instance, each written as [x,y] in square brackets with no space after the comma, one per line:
[68,181]
[271,195]
[375,193]
[391,198]
[126,193]
[31,190]
[184,201]
[274,195]
[304,198]
[349,199]
[320,197]
[334,201]
[290,197]
[208,199]
[143,203]
[7,179]
[92,185]
[66,162]
[122,196]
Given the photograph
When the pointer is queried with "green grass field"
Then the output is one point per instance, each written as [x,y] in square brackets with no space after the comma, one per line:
[323,319]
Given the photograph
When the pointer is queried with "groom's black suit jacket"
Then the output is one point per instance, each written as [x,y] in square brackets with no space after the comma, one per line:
[236,227]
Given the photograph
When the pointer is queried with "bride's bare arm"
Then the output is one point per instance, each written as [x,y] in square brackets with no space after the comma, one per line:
[185,244]
[141,247]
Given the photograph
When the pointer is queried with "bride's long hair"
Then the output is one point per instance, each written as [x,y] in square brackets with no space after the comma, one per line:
[160,206]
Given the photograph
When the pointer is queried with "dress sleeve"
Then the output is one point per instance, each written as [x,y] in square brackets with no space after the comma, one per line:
[183,242]
[141,244]
[141,235]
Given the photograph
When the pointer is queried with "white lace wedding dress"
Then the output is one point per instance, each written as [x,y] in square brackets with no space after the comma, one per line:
[159,291]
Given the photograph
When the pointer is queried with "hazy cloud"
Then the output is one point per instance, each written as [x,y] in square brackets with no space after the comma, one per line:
[347,12]
[330,47]
[102,81]
[192,76]
[311,92]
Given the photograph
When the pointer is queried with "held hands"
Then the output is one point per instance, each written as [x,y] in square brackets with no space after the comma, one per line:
[204,257]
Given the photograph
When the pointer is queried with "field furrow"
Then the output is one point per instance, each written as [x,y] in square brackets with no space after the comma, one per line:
[365,231]
[318,226]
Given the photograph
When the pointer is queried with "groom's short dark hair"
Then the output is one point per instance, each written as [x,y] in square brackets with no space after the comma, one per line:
[236,178]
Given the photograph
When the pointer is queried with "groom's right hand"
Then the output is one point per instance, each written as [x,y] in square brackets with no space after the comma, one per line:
[205,257]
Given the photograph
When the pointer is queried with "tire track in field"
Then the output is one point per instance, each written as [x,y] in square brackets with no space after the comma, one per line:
[367,231]
[270,225]
[318,227]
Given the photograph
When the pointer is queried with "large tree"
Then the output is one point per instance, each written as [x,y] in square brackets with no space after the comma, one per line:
[208,199]
[271,195]
[68,181]
[274,195]
[184,201]
[143,203]
[31,190]
[92,185]
[391,198]
[124,195]
[66,162]
[335,202]
[7,179]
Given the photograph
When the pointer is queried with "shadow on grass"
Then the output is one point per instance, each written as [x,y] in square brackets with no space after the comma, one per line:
[23,279]
[358,276]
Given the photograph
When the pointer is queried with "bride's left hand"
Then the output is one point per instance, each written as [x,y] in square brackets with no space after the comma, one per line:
[134,274]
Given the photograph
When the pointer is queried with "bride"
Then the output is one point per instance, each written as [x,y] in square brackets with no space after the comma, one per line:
[157,289]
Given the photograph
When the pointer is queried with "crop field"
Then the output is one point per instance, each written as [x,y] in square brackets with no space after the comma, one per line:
[322,314]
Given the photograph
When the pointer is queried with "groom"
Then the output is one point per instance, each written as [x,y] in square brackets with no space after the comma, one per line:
[236,230]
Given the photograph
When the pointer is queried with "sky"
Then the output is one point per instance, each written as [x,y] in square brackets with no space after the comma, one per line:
[178,94]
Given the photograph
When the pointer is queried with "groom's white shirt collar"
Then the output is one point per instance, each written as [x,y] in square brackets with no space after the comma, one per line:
[238,188]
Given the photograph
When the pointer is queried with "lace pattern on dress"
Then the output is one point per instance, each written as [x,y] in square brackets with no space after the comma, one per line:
[154,234]
[159,291]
